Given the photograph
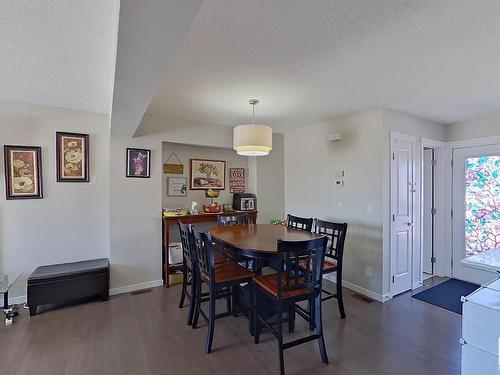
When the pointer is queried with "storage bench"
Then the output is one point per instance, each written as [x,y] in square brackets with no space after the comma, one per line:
[66,282]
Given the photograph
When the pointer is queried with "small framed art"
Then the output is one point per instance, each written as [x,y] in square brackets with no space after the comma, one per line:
[177,186]
[138,163]
[23,172]
[72,157]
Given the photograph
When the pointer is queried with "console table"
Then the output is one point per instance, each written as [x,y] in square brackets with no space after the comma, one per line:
[169,221]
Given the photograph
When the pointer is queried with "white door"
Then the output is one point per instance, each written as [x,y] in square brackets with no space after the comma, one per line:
[476,207]
[428,211]
[402,228]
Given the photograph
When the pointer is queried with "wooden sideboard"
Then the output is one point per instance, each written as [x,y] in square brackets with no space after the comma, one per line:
[168,269]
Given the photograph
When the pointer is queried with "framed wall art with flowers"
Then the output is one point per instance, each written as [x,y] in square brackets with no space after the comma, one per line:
[205,174]
[23,172]
[72,157]
[138,163]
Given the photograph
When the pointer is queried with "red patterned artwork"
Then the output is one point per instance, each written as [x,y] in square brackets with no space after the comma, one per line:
[236,180]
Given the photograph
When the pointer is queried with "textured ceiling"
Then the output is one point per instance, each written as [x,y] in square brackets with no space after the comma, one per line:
[310,60]
[58,52]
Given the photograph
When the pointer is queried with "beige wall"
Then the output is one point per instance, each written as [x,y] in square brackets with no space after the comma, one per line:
[71,222]
[311,163]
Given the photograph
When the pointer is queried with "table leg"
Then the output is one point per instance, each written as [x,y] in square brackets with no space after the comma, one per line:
[6,300]
[165,249]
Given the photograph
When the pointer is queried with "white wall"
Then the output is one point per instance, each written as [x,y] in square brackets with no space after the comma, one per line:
[71,222]
[485,127]
[311,163]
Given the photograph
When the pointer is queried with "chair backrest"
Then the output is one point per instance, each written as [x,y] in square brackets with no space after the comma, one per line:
[204,254]
[188,250]
[300,223]
[336,233]
[300,264]
[223,220]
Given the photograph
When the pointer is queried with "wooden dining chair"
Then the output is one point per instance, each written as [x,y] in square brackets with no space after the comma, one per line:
[290,285]
[189,270]
[220,280]
[234,220]
[299,223]
[336,233]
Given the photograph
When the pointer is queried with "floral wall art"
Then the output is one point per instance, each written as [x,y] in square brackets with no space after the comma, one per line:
[138,163]
[23,172]
[72,157]
[208,174]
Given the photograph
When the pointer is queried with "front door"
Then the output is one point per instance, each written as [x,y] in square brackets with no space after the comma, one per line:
[402,202]
[476,207]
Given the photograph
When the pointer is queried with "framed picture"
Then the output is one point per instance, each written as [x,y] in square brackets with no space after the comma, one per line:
[72,157]
[236,180]
[138,163]
[177,186]
[23,172]
[205,174]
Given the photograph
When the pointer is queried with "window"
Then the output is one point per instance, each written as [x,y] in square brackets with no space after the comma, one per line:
[482,204]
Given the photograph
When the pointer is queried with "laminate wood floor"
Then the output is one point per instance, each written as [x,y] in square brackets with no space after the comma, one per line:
[146,334]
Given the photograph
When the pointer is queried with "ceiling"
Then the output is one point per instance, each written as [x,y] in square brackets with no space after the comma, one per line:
[309,60]
[58,52]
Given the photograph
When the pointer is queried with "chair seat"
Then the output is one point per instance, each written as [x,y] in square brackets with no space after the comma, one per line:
[230,272]
[329,265]
[270,284]
[221,258]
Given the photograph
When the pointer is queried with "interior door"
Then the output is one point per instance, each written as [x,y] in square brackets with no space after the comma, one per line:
[428,211]
[402,202]
[476,207]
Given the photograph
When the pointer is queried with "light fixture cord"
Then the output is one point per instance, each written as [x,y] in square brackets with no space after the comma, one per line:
[253,114]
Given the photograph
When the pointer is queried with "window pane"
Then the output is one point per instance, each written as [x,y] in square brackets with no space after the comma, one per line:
[482,204]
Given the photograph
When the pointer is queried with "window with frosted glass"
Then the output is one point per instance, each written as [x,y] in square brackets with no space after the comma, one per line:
[482,204]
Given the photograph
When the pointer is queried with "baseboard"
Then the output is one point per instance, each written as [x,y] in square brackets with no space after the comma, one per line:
[360,290]
[135,287]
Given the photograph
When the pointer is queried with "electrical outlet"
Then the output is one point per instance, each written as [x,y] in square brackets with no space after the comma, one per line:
[368,271]
[339,183]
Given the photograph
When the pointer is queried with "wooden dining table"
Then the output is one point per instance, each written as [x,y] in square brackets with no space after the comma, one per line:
[258,241]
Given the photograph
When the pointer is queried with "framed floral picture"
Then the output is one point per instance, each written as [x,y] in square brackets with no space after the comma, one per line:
[23,172]
[72,157]
[177,186]
[138,163]
[205,174]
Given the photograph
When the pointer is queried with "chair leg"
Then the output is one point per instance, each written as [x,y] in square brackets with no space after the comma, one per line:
[279,322]
[233,300]
[228,299]
[197,305]
[211,321]
[340,298]
[184,285]
[291,317]
[256,321]
[193,299]
[319,329]
[312,314]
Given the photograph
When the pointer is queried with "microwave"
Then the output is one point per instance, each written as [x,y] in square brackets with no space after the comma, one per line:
[244,202]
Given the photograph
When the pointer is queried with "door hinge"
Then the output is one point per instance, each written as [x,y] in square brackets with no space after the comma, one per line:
[433,260]
[393,217]
[433,211]
[393,156]
[452,213]
[451,262]
[452,162]
[393,279]
[434,162]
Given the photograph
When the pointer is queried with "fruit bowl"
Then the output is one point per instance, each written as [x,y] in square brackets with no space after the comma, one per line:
[212,208]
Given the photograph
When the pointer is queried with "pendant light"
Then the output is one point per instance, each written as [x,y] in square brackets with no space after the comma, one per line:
[253,139]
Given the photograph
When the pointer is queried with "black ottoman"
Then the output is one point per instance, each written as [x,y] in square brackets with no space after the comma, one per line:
[66,282]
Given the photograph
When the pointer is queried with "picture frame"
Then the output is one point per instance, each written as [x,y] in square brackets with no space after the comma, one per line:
[236,180]
[72,157]
[23,172]
[207,174]
[177,186]
[138,163]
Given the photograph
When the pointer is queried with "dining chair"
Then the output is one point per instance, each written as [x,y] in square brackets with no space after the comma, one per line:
[300,223]
[234,220]
[228,220]
[220,280]
[189,270]
[336,233]
[290,285]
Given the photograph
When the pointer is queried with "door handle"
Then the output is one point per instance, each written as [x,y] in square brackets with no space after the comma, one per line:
[410,224]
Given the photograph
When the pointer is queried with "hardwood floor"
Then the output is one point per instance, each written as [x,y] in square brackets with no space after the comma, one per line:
[147,334]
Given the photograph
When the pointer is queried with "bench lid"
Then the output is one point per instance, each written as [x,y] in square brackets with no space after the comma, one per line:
[57,271]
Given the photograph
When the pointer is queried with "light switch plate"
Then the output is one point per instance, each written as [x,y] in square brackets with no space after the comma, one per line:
[339,183]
